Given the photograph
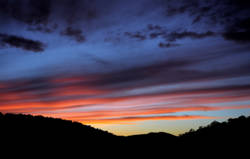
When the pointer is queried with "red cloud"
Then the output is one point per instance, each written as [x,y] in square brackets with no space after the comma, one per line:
[77,98]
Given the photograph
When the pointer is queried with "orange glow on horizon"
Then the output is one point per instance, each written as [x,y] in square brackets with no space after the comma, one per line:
[69,99]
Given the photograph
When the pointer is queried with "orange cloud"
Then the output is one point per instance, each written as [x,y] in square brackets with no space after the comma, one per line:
[69,98]
[124,116]
[128,120]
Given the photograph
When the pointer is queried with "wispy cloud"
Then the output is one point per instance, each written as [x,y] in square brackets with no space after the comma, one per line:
[94,99]
[128,120]
[74,33]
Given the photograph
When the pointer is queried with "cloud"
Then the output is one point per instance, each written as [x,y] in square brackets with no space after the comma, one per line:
[140,75]
[154,27]
[20,42]
[81,86]
[48,16]
[30,12]
[59,93]
[43,29]
[232,16]
[187,34]
[239,32]
[136,35]
[151,32]
[43,14]
[167,45]
[165,72]
[128,120]
[39,12]
[65,92]
[132,113]
[117,93]
[241,37]
[104,98]
[76,34]
[212,11]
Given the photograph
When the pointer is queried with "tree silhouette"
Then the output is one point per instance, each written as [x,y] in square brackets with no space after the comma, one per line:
[44,133]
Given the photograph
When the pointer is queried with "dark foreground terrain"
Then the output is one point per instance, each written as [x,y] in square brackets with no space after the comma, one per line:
[49,134]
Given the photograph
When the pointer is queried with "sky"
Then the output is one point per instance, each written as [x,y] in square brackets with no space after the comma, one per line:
[125,66]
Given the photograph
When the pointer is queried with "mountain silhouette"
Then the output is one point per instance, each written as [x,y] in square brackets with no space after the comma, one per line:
[18,130]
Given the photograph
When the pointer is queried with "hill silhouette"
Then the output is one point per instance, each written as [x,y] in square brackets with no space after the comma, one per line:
[238,126]
[18,130]
[19,126]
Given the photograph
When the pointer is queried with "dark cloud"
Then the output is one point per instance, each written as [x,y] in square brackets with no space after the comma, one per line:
[28,11]
[40,15]
[75,11]
[242,90]
[142,72]
[167,45]
[102,80]
[137,35]
[20,42]
[156,31]
[40,11]
[239,32]
[166,72]
[38,88]
[151,31]
[46,15]
[154,27]
[179,7]
[229,14]
[187,34]
[210,11]
[43,29]
[156,34]
[30,85]
[237,36]
[76,34]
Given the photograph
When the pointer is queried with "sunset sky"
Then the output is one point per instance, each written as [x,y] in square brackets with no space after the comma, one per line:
[126,66]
